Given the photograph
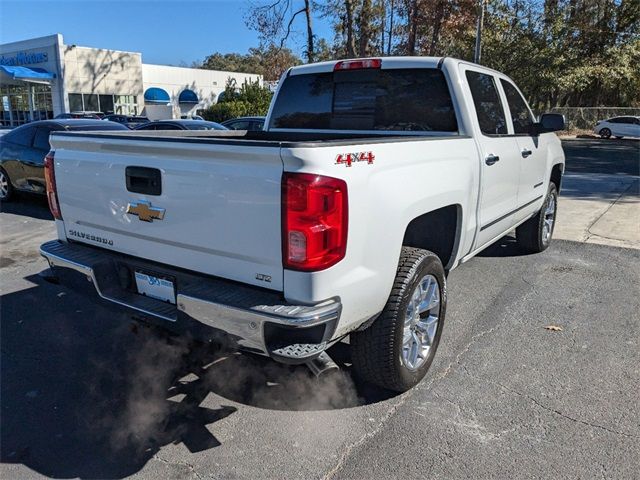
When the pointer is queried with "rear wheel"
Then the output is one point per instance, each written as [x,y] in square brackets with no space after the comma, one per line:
[534,235]
[396,350]
[605,133]
[6,189]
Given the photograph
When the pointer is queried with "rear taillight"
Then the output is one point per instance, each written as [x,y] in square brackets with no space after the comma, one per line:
[50,179]
[358,64]
[314,221]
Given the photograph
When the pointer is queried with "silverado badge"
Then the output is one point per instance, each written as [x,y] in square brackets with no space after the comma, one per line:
[145,211]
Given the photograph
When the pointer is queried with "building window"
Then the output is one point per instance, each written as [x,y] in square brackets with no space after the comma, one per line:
[106,104]
[126,104]
[25,102]
[91,102]
[75,102]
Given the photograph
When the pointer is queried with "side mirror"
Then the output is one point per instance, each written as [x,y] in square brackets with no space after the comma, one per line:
[549,122]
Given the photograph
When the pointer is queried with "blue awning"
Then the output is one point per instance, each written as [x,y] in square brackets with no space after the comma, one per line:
[156,95]
[188,96]
[26,74]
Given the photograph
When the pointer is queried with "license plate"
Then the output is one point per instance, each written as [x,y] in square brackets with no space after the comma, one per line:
[155,287]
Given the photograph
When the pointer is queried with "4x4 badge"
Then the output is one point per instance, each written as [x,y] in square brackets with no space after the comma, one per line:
[144,211]
[350,158]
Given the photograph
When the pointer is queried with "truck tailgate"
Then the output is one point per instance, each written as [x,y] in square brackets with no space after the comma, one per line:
[217,212]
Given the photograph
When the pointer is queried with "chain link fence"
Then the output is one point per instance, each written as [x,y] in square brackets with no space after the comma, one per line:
[585,118]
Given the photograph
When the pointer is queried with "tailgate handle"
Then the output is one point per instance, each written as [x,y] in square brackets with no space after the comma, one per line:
[144,180]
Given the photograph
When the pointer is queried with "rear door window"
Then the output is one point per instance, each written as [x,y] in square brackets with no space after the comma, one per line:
[518,108]
[41,139]
[368,99]
[489,109]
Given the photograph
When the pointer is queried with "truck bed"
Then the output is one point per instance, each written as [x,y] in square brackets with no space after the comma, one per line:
[263,138]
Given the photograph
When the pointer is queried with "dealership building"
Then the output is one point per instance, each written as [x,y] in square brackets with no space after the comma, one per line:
[43,77]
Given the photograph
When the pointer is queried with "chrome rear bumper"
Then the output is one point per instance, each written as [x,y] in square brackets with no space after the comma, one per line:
[256,319]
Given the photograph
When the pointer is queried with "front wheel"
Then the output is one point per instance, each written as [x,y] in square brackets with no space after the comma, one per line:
[534,235]
[605,133]
[396,350]
[6,189]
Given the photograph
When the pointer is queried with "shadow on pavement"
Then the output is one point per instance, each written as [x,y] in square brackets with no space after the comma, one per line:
[611,156]
[505,247]
[28,205]
[85,392]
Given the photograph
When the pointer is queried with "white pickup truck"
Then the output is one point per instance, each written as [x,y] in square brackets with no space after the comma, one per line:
[372,179]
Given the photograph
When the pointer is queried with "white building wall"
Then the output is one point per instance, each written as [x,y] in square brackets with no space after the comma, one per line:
[207,84]
[100,71]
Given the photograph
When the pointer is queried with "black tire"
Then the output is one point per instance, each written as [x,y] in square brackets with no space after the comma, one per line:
[6,189]
[605,133]
[377,351]
[531,234]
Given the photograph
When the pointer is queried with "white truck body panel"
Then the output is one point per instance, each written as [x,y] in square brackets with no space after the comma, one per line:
[377,225]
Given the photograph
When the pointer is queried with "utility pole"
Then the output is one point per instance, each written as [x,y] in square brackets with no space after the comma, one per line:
[478,50]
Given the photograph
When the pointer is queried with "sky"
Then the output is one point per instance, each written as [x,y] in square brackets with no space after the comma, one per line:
[166,32]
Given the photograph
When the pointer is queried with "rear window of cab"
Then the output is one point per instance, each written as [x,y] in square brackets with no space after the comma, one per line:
[415,100]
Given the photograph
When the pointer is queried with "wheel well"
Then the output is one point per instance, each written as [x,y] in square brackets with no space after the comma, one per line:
[436,231]
[556,175]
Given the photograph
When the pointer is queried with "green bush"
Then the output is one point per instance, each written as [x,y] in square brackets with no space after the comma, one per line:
[250,99]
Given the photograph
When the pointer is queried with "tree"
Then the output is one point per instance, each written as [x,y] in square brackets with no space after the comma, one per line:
[232,62]
[351,45]
[249,99]
[270,62]
[559,52]
[274,22]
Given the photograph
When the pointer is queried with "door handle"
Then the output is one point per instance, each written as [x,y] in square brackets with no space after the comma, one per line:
[526,153]
[491,159]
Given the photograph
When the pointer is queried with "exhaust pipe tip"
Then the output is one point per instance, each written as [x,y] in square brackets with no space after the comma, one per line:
[322,364]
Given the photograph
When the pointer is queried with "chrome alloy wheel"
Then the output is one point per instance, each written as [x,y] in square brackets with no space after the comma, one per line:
[4,185]
[549,218]
[421,322]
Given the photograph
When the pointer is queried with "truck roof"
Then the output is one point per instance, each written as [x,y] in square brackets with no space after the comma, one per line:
[387,62]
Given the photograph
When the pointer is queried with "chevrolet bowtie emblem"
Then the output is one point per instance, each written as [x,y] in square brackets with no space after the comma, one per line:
[145,211]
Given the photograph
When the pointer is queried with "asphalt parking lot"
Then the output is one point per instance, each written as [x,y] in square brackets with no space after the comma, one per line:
[87,393]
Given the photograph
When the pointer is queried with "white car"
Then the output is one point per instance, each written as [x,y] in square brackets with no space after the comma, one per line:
[372,179]
[618,127]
